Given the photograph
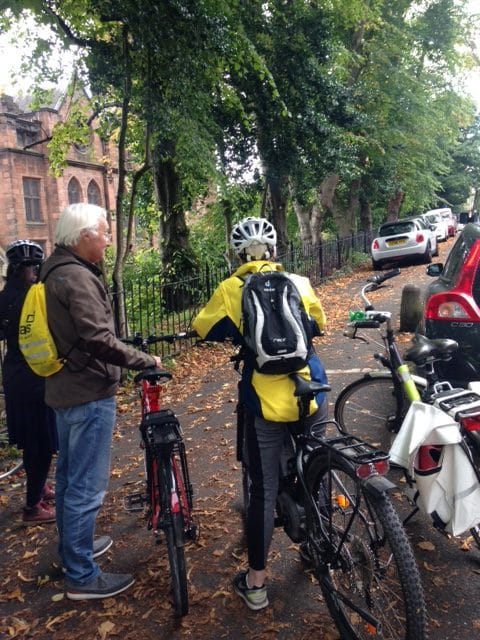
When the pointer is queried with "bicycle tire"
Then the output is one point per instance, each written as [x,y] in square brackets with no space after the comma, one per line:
[11,461]
[175,541]
[372,408]
[366,558]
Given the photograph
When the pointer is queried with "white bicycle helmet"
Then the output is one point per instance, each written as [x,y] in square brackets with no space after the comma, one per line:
[254,239]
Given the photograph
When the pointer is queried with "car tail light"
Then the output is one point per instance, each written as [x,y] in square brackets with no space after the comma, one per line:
[375,244]
[451,306]
[420,238]
[471,424]
[457,304]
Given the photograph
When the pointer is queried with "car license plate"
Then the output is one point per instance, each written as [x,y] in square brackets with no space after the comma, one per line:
[395,243]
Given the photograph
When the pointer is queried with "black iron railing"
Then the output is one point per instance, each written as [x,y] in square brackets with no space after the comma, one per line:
[158,307]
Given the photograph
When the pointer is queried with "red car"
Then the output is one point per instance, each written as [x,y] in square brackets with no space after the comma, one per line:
[452,305]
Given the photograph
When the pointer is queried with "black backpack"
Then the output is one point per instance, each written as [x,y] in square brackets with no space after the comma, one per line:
[276,327]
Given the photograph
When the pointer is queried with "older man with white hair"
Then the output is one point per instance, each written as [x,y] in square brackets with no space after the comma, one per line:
[83,392]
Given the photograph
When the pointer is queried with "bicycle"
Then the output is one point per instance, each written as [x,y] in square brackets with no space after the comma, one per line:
[375,405]
[168,497]
[333,498]
[379,406]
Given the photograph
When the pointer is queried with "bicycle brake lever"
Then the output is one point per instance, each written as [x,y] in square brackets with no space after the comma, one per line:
[351,332]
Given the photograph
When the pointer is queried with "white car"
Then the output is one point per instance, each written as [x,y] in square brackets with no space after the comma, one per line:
[440,224]
[448,218]
[404,239]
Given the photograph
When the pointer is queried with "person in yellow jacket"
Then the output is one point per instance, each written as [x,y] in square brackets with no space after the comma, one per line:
[268,399]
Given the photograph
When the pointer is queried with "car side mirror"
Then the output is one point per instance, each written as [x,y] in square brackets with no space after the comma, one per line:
[435,269]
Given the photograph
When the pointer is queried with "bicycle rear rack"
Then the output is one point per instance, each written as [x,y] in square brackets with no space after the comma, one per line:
[354,449]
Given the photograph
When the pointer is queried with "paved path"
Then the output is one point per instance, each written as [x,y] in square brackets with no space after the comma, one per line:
[297,611]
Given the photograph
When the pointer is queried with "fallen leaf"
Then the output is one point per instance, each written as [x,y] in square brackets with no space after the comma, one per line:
[57,597]
[24,578]
[426,545]
[105,629]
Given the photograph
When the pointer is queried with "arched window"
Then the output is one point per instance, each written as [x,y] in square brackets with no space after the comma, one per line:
[93,193]
[74,191]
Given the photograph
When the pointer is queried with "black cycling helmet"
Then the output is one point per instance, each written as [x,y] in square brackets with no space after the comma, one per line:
[25,252]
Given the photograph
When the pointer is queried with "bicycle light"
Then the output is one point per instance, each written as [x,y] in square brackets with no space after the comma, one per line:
[342,501]
[369,469]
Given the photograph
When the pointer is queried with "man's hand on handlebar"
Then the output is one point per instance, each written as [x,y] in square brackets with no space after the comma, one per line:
[158,362]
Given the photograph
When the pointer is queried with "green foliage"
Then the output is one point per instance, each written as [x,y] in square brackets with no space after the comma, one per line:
[207,236]
[358,89]
[74,130]
[144,265]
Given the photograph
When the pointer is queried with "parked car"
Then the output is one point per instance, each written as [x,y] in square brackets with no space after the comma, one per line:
[404,239]
[452,304]
[448,217]
[441,225]
[465,217]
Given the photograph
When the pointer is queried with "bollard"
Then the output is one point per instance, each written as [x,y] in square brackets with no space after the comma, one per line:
[411,308]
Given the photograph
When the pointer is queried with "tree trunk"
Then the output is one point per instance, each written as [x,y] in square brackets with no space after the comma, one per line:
[227,211]
[278,188]
[326,191]
[310,221]
[342,218]
[316,223]
[175,248]
[347,226]
[117,275]
[393,206]
[365,215]
[303,214]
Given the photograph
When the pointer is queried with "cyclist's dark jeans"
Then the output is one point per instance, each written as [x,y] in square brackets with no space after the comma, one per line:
[264,442]
[37,466]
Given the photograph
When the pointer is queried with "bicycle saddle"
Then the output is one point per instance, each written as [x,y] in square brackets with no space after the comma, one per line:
[425,349]
[307,387]
[152,374]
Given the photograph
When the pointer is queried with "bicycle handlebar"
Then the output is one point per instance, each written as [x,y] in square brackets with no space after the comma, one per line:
[139,341]
[380,278]
[374,283]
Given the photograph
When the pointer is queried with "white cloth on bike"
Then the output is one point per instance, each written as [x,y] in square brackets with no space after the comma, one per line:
[450,491]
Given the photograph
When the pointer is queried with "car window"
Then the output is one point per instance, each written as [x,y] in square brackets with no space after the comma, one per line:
[455,260]
[423,224]
[433,218]
[396,228]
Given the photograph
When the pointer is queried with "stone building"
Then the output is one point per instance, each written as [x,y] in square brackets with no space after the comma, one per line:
[31,198]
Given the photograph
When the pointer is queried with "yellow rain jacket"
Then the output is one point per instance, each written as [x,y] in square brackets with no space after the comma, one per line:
[269,396]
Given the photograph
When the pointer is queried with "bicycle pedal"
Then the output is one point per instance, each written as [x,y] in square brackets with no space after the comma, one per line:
[135,502]
[192,533]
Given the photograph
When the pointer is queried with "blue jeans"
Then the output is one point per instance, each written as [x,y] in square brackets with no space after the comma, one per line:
[83,470]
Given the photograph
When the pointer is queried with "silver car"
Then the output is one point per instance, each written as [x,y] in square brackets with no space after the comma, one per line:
[404,239]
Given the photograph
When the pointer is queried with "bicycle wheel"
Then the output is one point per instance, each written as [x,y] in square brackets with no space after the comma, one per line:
[174,537]
[10,457]
[368,574]
[372,408]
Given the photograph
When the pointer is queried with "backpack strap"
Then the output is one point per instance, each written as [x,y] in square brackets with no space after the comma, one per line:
[77,343]
[56,266]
